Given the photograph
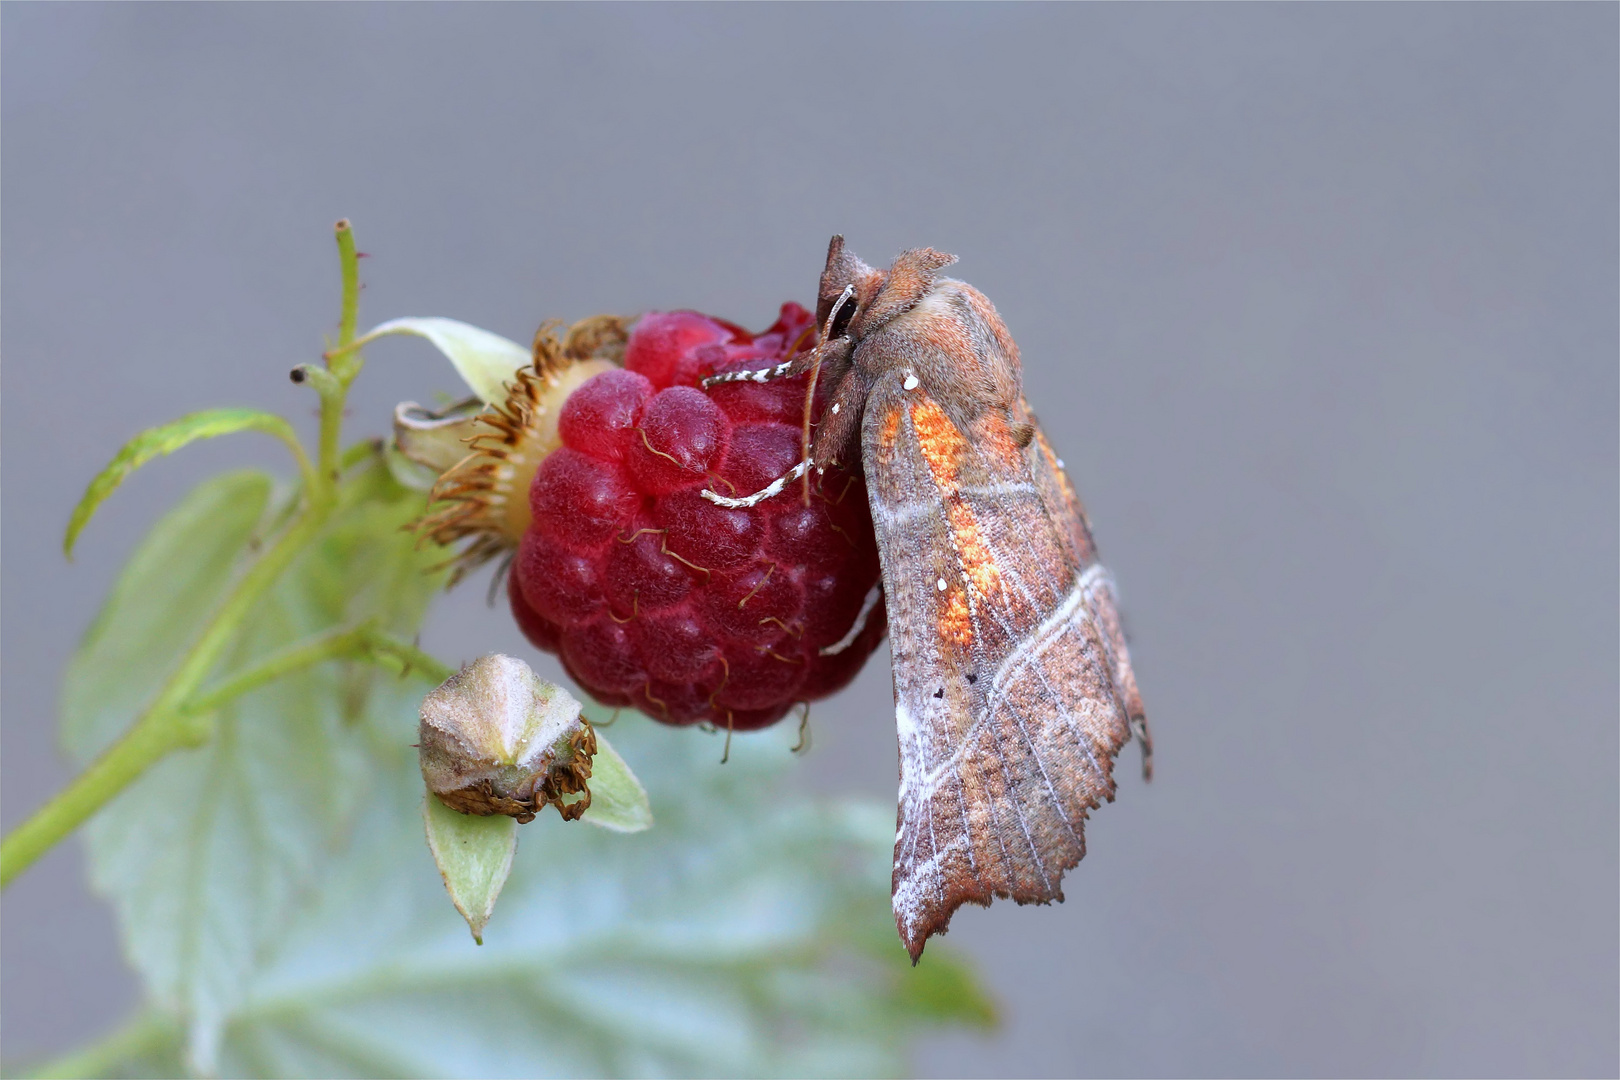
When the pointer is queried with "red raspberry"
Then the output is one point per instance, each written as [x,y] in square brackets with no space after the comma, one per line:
[653,596]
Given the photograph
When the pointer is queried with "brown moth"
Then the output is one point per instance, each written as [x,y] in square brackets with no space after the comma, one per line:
[1013,691]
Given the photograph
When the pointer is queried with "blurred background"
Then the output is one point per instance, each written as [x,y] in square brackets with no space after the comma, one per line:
[1318,303]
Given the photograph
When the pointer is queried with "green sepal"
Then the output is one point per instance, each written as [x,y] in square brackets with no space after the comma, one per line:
[474,856]
[618,801]
[486,361]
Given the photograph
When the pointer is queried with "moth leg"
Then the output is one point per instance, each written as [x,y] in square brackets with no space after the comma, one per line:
[1139,728]
[772,489]
[838,434]
[785,370]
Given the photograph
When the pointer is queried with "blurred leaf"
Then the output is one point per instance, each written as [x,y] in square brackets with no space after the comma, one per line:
[166,439]
[618,801]
[474,856]
[485,361]
[207,857]
[166,592]
[946,990]
[737,938]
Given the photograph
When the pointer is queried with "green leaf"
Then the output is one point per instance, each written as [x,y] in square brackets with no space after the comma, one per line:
[166,439]
[474,856]
[486,361]
[618,801]
[209,856]
[165,595]
[737,938]
[946,990]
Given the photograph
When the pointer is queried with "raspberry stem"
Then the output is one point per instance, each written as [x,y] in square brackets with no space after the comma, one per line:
[179,717]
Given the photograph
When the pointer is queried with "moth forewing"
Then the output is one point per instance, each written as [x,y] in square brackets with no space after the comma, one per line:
[1012,690]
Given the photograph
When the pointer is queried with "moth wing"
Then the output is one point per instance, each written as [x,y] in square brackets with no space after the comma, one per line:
[1013,688]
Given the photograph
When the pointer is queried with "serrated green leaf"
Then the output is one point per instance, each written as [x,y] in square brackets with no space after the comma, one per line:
[474,857]
[166,439]
[734,939]
[618,801]
[207,857]
[484,360]
[749,934]
[166,593]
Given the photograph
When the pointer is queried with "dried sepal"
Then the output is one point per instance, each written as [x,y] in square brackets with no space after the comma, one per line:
[482,501]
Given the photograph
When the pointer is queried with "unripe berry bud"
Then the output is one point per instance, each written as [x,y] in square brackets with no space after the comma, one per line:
[496,739]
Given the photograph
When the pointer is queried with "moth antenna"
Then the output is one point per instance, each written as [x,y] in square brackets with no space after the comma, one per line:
[804,438]
[815,375]
[752,375]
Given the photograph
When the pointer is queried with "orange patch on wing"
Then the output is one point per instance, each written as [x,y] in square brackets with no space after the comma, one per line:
[891,428]
[955,625]
[941,443]
[978,562]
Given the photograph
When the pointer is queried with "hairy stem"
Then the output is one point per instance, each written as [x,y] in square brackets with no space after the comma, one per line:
[345,366]
[172,722]
[166,725]
[358,643]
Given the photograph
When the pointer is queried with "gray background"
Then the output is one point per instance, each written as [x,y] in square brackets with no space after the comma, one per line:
[1319,303]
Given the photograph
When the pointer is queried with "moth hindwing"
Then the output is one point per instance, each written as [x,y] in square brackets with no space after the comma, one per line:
[1012,685]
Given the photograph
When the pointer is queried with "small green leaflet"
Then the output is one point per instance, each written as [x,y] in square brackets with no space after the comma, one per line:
[166,439]
[486,361]
[474,856]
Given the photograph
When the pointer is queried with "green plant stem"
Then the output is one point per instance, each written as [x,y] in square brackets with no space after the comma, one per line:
[155,735]
[349,262]
[168,724]
[360,643]
[148,1033]
[410,660]
[345,366]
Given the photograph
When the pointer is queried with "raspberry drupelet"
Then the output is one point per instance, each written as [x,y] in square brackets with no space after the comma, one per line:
[653,597]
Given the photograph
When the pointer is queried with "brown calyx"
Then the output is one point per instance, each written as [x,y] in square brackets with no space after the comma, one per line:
[569,777]
[485,496]
[565,777]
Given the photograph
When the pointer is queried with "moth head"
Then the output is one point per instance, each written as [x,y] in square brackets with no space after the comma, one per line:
[855,299]
[847,286]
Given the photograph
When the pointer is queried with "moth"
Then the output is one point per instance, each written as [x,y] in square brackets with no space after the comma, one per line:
[1013,689]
